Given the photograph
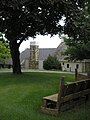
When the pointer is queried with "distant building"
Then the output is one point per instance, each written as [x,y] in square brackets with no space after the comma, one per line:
[40,54]
[7,64]
[43,54]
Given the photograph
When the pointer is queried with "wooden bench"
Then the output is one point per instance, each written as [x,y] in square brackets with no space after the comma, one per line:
[68,96]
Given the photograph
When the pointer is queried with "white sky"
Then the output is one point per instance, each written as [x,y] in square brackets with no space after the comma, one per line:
[44,42]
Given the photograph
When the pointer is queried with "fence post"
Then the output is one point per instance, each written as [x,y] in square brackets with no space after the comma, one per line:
[76,72]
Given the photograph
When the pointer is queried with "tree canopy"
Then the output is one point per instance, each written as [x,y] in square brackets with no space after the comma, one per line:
[20,19]
[79,45]
[4,49]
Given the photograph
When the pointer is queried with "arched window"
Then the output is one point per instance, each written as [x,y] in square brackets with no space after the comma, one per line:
[67,65]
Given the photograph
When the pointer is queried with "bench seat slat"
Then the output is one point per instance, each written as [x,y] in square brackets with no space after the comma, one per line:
[51,97]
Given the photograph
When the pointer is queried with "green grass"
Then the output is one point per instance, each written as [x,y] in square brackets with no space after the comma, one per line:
[21,97]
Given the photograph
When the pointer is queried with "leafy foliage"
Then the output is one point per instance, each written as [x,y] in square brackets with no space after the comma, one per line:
[51,63]
[78,26]
[78,52]
[79,45]
[22,18]
[4,49]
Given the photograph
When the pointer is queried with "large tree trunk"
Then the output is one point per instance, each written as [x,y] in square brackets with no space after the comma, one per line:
[14,49]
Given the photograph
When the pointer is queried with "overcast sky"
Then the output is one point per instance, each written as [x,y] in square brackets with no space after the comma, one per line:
[43,41]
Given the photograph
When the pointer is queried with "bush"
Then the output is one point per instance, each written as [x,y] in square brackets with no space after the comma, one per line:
[51,63]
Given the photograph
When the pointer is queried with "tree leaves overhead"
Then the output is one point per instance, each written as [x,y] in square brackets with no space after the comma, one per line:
[22,18]
[78,52]
[79,43]
[78,26]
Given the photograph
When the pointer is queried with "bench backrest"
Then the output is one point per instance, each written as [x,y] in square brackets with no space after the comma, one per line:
[72,88]
[75,87]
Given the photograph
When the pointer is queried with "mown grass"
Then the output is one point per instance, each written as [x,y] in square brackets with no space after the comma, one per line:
[21,97]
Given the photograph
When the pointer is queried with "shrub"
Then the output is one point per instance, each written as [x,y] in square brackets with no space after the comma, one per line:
[51,63]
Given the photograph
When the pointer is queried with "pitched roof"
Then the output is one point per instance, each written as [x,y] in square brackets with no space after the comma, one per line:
[43,53]
[8,61]
[60,49]
[25,54]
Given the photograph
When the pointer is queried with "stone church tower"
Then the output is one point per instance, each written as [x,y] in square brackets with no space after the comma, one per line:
[34,55]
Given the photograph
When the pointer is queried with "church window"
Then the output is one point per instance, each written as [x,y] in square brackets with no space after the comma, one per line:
[77,66]
[67,65]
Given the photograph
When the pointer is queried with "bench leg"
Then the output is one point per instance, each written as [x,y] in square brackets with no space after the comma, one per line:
[44,103]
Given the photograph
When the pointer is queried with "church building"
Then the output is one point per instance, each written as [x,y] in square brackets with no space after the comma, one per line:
[33,58]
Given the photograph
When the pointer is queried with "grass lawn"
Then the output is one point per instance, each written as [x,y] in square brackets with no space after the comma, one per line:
[21,97]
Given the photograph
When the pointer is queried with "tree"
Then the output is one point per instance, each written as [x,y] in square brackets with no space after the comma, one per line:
[4,49]
[20,19]
[51,63]
[77,50]
[79,45]
[78,26]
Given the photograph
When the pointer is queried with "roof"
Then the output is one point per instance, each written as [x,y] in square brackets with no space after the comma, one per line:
[59,51]
[8,61]
[43,53]
[25,54]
